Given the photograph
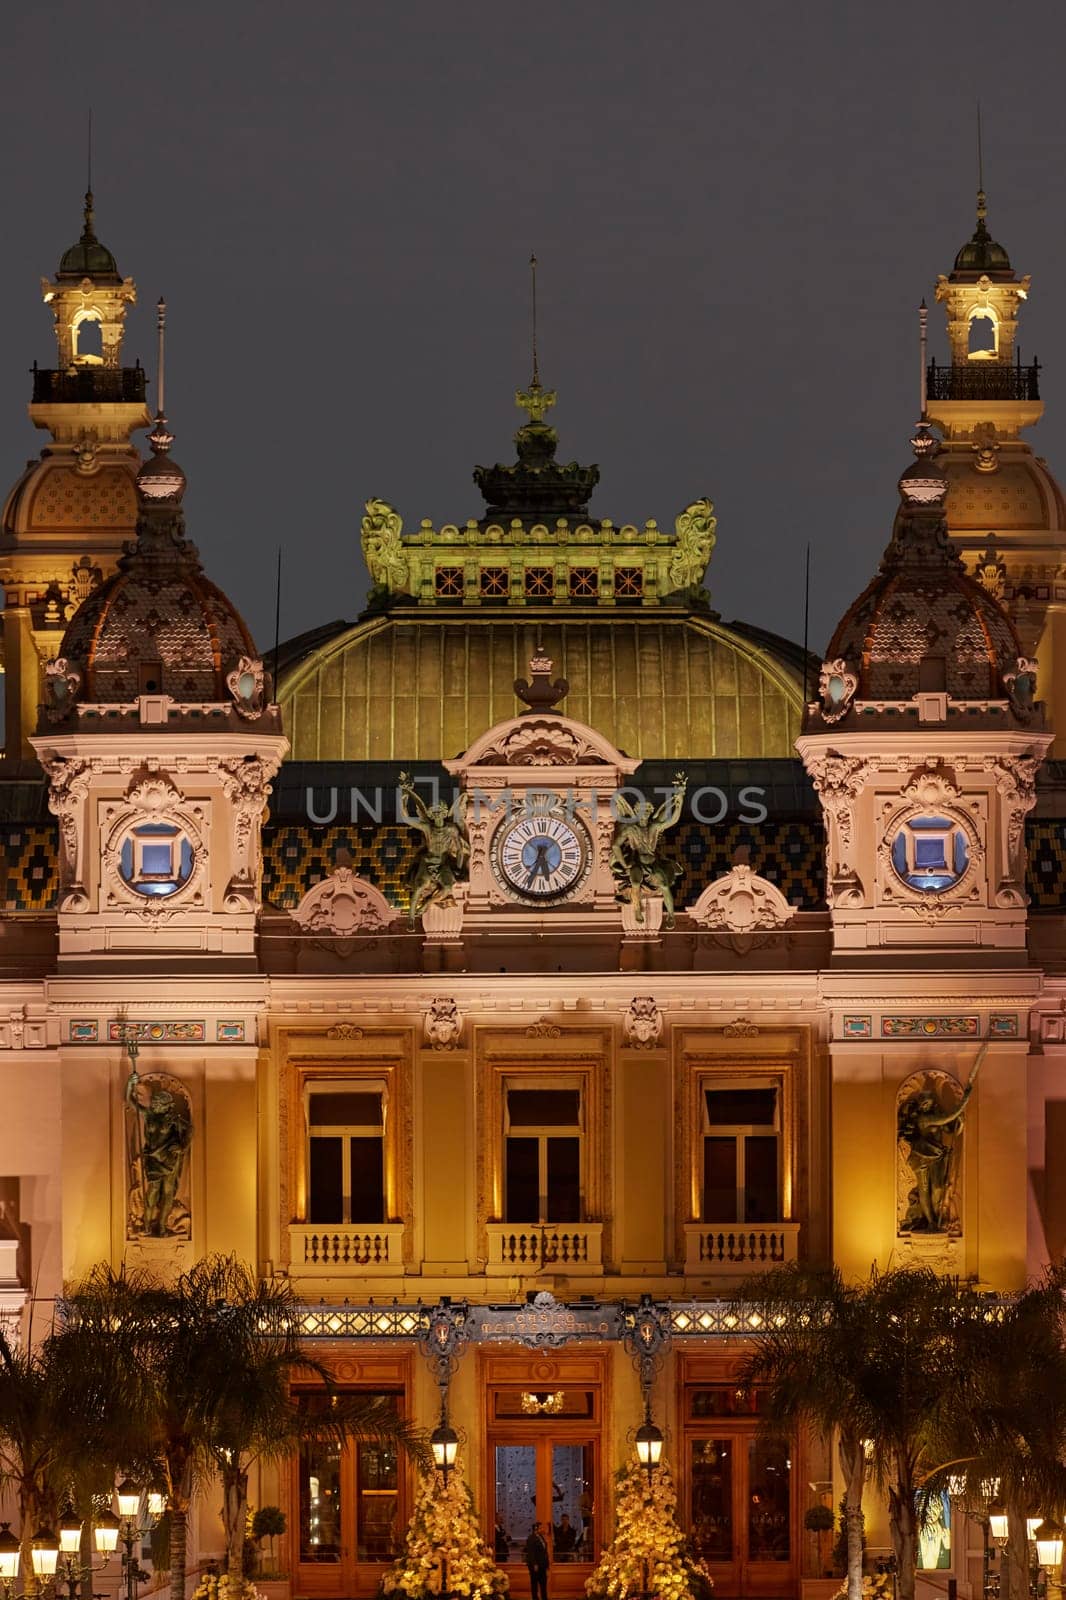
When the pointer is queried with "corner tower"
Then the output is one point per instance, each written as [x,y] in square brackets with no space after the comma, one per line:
[159,739]
[68,517]
[1005,511]
[923,747]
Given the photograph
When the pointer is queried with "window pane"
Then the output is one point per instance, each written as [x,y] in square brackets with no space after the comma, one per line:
[516,1499]
[573,1527]
[326,1198]
[564,1180]
[341,1109]
[769,1471]
[712,1498]
[743,1108]
[720,1180]
[760,1178]
[544,1108]
[368,1180]
[320,1502]
[377,1488]
[522,1199]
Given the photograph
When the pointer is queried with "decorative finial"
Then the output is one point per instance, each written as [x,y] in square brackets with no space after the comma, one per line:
[923,379]
[535,400]
[160,479]
[539,692]
[923,484]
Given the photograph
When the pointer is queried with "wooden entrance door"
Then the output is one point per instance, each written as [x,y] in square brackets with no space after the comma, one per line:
[741,1509]
[350,1516]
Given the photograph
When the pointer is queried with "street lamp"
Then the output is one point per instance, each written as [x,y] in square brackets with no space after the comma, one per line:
[105,1532]
[44,1553]
[649,1443]
[998,1522]
[1048,1539]
[444,1442]
[10,1550]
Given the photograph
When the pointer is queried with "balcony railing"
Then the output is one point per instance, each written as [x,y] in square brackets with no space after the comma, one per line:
[566,1247]
[983,380]
[317,1250]
[88,385]
[739,1248]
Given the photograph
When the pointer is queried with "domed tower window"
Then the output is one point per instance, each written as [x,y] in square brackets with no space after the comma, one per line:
[983,337]
[930,853]
[156,858]
[87,335]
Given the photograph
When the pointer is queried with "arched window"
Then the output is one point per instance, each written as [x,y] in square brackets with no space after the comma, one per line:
[88,337]
[984,333]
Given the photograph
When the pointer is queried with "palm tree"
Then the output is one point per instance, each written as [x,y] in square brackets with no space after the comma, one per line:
[255,1328]
[211,1358]
[1007,1441]
[880,1364]
[804,1361]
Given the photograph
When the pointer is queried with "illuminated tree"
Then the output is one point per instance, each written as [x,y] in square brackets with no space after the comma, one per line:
[648,1553]
[444,1552]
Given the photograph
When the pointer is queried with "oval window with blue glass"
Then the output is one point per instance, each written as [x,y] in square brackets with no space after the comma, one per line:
[930,853]
[156,859]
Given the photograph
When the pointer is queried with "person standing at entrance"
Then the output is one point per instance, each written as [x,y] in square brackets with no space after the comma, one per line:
[536,1554]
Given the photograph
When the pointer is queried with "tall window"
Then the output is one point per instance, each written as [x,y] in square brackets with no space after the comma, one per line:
[540,583]
[543,1133]
[346,1156]
[742,1153]
[448,583]
[495,583]
[628,583]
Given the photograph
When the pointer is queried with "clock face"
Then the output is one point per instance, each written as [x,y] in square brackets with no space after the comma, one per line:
[541,857]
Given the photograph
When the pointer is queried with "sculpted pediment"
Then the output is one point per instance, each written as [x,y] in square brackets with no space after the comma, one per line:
[741,902]
[342,905]
[548,740]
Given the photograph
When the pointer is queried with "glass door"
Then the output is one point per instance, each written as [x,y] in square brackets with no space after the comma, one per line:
[550,1482]
[741,1512]
[350,1521]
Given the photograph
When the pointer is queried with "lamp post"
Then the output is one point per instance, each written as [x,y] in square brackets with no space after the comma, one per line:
[56,1559]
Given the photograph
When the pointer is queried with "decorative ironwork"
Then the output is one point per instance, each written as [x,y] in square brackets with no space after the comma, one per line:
[85,385]
[983,380]
[365,1322]
[646,1335]
[444,1340]
[545,1323]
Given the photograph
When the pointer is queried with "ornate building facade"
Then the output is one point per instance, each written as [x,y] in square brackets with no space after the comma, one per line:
[497,970]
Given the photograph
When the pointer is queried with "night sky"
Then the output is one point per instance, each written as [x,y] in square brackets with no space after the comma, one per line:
[736,209]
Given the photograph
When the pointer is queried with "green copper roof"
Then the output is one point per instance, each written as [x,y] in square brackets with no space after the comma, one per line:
[89,258]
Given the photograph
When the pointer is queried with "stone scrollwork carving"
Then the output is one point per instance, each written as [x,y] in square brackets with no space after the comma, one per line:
[642,1024]
[838,781]
[543,1028]
[990,571]
[344,1030]
[383,551]
[152,790]
[443,1023]
[836,689]
[985,447]
[343,904]
[246,785]
[67,790]
[741,902]
[541,743]
[696,538]
[246,683]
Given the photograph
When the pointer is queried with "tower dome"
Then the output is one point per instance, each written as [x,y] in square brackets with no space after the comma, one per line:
[88,258]
[923,625]
[158,625]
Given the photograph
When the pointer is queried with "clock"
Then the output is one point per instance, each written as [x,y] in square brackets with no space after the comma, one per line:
[541,856]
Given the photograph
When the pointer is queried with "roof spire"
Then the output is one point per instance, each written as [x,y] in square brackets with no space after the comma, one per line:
[88,232]
[160,479]
[535,400]
[533,287]
[982,208]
